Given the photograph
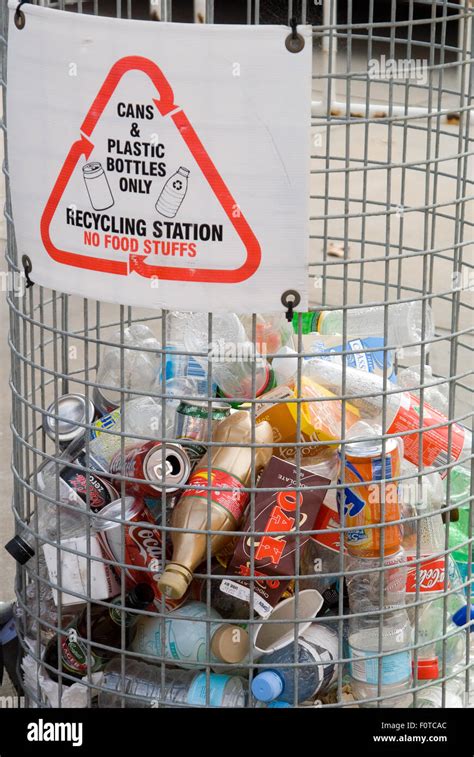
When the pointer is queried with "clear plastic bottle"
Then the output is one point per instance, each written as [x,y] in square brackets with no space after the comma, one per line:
[460,533]
[369,635]
[184,367]
[139,358]
[73,517]
[142,684]
[272,331]
[432,696]
[142,416]
[317,650]
[402,413]
[404,324]
[460,618]
[432,649]
[233,357]
[427,581]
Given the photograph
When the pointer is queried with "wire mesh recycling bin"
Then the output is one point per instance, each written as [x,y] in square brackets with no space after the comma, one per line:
[287,523]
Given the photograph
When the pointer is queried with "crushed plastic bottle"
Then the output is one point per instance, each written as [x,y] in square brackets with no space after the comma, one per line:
[142,686]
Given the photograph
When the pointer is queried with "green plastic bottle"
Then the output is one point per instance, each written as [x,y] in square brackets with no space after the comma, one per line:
[309,322]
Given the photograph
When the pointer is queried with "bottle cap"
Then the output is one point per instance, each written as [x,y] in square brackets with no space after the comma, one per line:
[427,669]
[267,686]
[175,581]
[230,644]
[460,617]
[19,549]
[278,704]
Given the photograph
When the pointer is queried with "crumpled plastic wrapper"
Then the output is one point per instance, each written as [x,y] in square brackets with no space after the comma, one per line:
[74,696]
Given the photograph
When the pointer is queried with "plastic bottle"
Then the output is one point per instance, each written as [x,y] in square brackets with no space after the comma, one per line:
[317,649]
[432,650]
[173,193]
[186,639]
[432,696]
[272,331]
[62,518]
[285,364]
[434,393]
[428,580]
[230,467]
[143,686]
[459,540]
[233,357]
[460,619]
[142,417]
[368,635]
[140,360]
[404,324]
[402,414]
[179,366]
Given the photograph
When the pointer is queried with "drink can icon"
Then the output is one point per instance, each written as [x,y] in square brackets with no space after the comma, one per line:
[97,186]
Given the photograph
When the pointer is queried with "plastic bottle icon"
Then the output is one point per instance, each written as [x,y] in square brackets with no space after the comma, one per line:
[97,186]
[173,193]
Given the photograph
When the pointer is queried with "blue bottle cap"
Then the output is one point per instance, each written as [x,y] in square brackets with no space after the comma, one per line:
[279,704]
[267,685]
[460,617]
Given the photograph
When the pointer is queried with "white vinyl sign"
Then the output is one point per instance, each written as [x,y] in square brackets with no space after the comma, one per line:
[159,164]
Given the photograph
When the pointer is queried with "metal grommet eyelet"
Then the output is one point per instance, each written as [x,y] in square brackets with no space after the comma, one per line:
[294,43]
[20,19]
[290,299]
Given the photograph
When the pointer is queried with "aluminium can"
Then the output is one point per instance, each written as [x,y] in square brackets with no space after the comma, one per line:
[368,486]
[73,412]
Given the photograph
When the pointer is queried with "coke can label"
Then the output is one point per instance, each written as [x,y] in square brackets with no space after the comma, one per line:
[430,576]
[143,550]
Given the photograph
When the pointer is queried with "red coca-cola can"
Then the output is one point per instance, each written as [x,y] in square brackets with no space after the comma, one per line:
[141,541]
[156,464]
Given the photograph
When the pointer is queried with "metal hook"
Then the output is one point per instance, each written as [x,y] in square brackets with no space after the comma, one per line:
[294,42]
[27,268]
[19,17]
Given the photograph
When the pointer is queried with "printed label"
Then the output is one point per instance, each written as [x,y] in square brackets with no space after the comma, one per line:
[86,484]
[226,490]
[198,691]
[239,591]
[434,440]
[74,657]
[395,667]
[107,421]
[431,575]
[371,362]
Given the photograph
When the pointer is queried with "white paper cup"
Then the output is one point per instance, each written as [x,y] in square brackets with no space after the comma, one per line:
[272,636]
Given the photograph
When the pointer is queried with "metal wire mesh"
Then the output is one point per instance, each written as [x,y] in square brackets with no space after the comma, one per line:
[391,222]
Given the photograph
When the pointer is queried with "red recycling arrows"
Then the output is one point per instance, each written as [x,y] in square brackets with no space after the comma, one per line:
[83,146]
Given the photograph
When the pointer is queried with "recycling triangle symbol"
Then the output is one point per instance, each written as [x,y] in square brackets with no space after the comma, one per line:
[84,146]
